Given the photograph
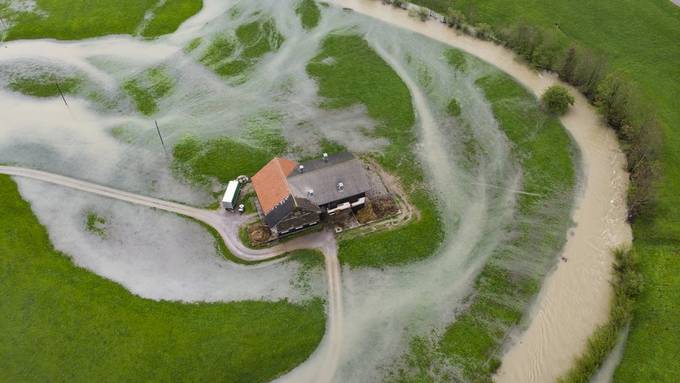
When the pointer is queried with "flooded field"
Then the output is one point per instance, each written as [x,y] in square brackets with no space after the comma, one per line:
[215,78]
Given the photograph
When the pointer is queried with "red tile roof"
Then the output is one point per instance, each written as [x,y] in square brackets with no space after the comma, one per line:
[270,182]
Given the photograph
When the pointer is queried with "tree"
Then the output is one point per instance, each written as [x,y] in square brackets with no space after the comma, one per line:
[557,100]
[484,31]
[455,18]
[615,100]
[568,67]
[590,70]
[423,14]
[548,50]
[524,39]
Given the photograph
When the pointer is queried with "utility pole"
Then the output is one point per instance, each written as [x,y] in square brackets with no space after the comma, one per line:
[161,137]
[61,93]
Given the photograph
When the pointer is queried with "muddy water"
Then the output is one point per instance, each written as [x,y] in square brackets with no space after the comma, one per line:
[575,296]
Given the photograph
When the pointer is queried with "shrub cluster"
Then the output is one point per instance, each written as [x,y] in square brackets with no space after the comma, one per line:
[557,100]
[396,3]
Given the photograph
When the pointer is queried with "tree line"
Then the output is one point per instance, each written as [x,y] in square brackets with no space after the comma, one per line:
[615,96]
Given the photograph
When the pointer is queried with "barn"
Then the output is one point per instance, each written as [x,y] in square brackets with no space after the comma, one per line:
[293,196]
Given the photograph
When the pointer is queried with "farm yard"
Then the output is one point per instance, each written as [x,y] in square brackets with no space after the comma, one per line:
[156,106]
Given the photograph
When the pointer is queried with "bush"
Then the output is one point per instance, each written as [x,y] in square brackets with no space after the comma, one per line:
[615,100]
[455,18]
[423,14]
[642,192]
[567,68]
[539,47]
[453,108]
[524,39]
[590,70]
[556,100]
[548,51]
[484,31]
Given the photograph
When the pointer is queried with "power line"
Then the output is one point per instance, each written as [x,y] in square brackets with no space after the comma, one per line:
[506,189]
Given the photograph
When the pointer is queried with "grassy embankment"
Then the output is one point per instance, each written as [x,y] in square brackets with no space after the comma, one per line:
[232,54]
[63,323]
[359,76]
[80,19]
[639,40]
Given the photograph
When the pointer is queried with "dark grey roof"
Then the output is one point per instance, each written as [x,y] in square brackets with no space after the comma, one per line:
[305,204]
[288,205]
[280,211]
[332,159]
[322,177]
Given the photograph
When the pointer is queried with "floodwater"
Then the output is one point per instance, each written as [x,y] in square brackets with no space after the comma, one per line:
[381,310]
[575,297]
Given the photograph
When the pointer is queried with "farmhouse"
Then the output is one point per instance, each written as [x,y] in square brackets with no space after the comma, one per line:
[293,196]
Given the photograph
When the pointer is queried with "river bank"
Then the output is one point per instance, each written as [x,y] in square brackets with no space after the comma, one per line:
[575,297]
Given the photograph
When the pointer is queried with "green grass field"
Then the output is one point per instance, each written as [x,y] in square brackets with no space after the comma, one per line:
[44,85]
[233,54]
[148,87]
[309,13]
[359,76]
[223,159]
[170,15]
[80,19]
[63,323]
[640,39]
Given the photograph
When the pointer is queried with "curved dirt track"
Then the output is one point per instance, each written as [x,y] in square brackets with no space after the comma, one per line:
[227,226]
[575,297]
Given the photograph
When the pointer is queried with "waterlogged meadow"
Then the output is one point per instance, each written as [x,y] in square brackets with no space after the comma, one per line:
[240,82]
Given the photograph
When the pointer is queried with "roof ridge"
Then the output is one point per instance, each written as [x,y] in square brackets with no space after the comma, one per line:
[285,178]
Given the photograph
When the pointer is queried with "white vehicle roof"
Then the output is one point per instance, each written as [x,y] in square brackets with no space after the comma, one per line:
[230,194]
